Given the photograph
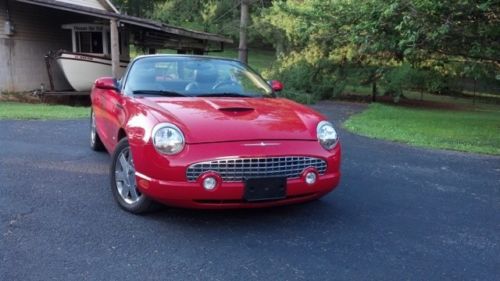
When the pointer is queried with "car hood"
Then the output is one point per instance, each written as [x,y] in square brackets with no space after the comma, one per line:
[204,120]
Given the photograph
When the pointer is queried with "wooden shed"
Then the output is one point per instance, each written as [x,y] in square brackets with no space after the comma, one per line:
[38,36]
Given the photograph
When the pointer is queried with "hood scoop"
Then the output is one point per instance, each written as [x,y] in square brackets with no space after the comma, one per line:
[238,109]
[231,105]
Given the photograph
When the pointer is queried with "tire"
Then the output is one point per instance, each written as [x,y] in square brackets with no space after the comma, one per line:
[95,140]
[123,181]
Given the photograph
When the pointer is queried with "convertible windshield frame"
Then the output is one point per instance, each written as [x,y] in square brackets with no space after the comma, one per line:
[194,76]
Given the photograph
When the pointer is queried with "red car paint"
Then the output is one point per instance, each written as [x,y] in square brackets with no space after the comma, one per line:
[214,128]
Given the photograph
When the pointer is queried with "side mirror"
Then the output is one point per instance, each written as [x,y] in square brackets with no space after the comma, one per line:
[276,85]
[107,83]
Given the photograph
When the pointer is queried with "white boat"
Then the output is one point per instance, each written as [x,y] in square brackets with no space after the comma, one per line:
[90,57]
[81,69]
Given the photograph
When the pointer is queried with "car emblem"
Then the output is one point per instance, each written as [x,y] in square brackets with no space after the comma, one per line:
[262,144]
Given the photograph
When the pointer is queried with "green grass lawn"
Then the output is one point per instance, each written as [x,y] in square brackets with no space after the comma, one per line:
[26,111]
[470,131]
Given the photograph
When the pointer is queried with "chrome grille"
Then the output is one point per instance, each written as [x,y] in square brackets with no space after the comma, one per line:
[235,169]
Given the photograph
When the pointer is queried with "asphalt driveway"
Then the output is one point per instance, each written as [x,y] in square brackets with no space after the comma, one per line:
[399,213]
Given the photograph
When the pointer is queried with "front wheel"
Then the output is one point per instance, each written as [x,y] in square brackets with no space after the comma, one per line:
[123,183]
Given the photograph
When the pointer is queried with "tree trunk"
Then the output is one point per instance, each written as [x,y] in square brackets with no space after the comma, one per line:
[474,96]
[374,91]
[243,48]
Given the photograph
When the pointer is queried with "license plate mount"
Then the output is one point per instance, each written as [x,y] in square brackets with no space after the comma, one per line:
[264,189]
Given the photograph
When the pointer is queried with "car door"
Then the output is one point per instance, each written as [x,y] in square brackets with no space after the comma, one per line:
[98,98]
[115,115]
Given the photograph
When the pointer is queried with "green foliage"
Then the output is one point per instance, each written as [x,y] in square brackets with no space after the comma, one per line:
[468,131]
[402,40]
[259,60]
[137,8]
[179,13]
[208,12]
[395,79]
[221,16]
[398,79]
[310,71]
[322,45]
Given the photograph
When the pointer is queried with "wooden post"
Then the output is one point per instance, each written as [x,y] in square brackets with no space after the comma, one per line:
[115,48]
[73,40]
[243,48]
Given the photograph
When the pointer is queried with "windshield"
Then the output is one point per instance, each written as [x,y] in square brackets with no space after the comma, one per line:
[176,76]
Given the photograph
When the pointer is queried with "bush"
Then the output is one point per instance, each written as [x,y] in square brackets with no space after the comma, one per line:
[398,79]
[309,73]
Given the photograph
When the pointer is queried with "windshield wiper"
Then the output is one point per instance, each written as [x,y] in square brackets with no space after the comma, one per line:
[235,95]
[158,93]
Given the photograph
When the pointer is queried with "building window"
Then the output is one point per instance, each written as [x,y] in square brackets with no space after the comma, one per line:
[89,42]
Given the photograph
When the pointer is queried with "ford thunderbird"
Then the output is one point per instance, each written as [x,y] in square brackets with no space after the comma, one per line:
[210,133]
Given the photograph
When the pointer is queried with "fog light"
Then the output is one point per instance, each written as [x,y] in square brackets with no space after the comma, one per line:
[209,183]
[311,178]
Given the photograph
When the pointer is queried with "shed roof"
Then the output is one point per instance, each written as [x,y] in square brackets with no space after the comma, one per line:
[96,4]
[88,8]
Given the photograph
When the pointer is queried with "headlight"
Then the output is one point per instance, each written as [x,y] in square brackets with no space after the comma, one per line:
[168,138]
[327,136]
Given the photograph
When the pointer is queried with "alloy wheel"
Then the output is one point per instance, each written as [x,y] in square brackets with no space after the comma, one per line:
[125,177]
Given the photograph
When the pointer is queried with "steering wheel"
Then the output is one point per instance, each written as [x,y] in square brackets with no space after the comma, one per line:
[191,86]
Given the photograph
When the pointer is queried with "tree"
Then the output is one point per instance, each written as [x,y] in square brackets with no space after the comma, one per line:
[217,16]
[208,13]
[243,47]
[425,34]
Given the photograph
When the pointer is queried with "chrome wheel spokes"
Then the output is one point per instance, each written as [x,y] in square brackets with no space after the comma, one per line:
[125,177]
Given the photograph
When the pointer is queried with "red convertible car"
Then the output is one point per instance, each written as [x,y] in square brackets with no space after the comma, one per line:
[205,132]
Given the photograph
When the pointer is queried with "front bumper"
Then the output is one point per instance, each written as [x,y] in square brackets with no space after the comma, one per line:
[229,195]
[164,178]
